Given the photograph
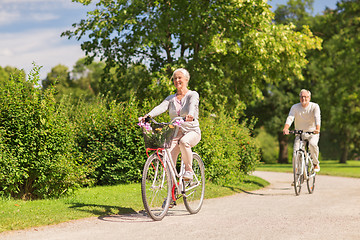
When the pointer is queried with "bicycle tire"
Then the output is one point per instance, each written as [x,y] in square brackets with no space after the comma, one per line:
[311,178]
[193,198]
[156,188]
[297,172]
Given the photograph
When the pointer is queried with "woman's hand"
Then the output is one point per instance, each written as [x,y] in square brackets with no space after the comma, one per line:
[189,118]
[142,119]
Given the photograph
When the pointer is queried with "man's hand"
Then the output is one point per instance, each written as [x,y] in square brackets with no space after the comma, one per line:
[317,130]
[286,129]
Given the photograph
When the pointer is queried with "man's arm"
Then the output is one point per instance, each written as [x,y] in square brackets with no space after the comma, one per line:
[317,119]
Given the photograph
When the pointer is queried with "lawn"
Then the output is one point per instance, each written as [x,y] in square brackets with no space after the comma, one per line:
[333,168]
[95,202]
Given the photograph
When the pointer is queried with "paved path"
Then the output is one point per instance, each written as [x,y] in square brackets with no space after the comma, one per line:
[332,212]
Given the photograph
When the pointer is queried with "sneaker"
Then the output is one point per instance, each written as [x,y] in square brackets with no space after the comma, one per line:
[292,184]
[317,168]
[188,175]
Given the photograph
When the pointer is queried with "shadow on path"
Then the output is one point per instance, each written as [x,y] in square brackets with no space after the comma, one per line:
[101,210]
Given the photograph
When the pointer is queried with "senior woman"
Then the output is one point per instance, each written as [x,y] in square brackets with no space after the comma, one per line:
[185,103]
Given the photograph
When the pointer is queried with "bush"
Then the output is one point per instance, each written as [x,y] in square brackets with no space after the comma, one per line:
[37,157]
[227,149]
[109,138]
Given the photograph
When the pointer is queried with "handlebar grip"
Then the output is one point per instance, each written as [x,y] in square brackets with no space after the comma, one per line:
[147,119]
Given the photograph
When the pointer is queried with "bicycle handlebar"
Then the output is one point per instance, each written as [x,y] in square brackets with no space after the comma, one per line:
[300,132]
[149,118]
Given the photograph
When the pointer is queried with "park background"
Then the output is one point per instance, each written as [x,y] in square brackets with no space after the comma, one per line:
[247,63]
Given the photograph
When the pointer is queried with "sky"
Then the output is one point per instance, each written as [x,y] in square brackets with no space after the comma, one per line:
[30,32]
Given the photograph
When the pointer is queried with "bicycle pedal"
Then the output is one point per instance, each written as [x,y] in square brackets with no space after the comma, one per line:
[172,204]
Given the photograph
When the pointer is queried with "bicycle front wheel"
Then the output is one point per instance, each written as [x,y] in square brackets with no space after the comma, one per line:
[297,165]
[156,188]
[311,177]
[195,189]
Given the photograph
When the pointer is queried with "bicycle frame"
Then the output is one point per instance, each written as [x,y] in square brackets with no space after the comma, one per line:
[175,175]
[303,165]
[306,159]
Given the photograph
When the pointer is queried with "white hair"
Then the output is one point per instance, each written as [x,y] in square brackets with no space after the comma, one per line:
[305,90]
[183,71]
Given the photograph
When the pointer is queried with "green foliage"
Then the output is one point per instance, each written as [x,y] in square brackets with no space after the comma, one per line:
[227,148]
[82,83]
[335,72]
[38,157]
[294,12]
[231,48]
[269,146]
[110,140]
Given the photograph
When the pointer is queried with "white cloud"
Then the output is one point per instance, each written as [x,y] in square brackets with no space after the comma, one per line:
[44,17]
[45,47]
[8,17]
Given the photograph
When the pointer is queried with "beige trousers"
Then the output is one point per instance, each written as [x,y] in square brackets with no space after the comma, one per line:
[313,145]
[184,143]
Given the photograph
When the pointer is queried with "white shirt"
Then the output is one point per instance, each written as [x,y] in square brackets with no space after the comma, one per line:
[305,118]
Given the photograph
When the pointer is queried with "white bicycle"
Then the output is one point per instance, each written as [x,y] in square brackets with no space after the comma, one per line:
[303,166]
[162,185]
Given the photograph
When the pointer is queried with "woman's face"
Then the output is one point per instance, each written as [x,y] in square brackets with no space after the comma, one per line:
[180,81]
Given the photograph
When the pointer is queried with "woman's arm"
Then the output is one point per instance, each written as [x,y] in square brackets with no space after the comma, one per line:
[193,106]
[161,108]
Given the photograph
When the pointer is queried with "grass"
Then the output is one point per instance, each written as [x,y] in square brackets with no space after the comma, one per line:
[95,202]
[333,168]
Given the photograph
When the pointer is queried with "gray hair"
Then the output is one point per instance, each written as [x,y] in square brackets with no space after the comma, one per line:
[305,90]
[183,71]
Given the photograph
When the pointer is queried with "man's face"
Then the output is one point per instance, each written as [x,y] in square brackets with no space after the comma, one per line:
[304,98]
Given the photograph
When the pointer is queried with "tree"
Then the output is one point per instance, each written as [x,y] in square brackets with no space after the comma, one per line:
[297,12]
[86,78]
[6,72]
[336,73]
[82,82]
[230,47]
[279,95]
[58,76]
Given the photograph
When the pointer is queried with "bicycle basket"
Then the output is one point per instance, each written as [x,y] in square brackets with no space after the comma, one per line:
[159,135]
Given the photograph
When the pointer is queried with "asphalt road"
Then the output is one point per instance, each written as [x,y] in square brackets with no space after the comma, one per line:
[331,212]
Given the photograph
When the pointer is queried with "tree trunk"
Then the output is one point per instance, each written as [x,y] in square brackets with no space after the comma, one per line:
[344,155]
[345,147]
[283,148]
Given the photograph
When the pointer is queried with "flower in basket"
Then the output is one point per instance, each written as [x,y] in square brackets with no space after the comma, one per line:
[178,122]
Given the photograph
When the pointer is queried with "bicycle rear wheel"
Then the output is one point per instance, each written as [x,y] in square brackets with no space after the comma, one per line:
[311,177]
[156,188]
[195,189]
[297,172]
